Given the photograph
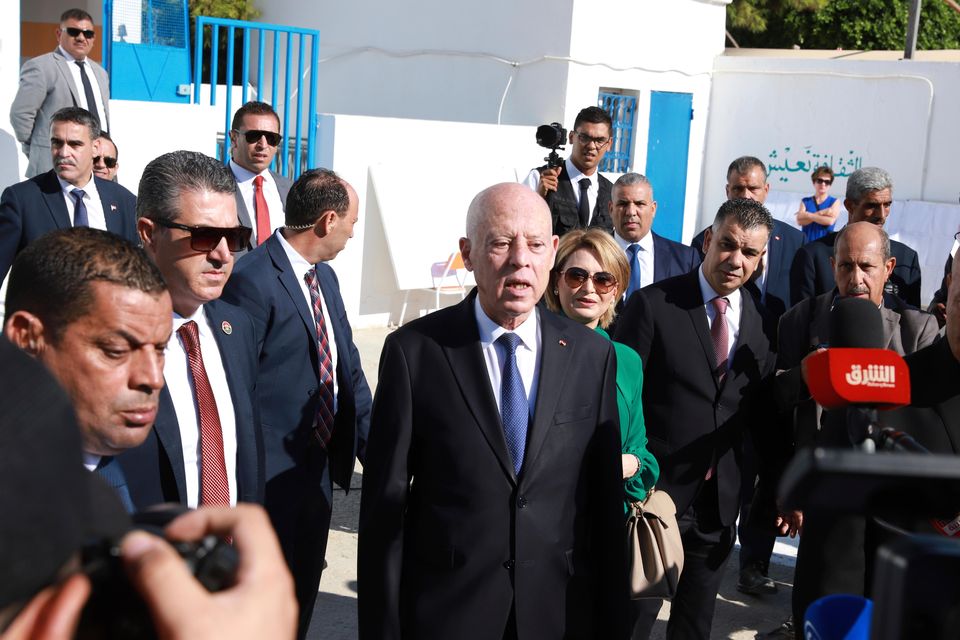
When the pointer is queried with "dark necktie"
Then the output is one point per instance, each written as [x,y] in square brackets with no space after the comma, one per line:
[324,418]
[88,91]
[718,334]
[80,218]
[111,472]
[584,207]
[214,487]
[514,409]
[262,212]
[633,254]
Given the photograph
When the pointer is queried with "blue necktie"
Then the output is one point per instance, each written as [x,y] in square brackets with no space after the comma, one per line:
[514,410]
[633,254]
[111,472]
[79,209]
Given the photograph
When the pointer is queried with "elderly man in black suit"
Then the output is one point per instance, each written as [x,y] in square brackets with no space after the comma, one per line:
[492,501]
[869,198]
[706,360]
[69,195]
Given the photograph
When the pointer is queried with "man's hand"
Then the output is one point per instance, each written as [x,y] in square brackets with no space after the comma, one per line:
[549,179]
[52,614]
[790,523]
[260,605]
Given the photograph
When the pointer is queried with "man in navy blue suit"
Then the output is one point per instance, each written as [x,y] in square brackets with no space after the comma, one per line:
[95,311]
[205,448]
[69,195]
[312,391]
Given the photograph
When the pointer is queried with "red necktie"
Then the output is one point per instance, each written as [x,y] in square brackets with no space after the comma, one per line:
[718,334]
[324,419]
[262,211]
[214,487]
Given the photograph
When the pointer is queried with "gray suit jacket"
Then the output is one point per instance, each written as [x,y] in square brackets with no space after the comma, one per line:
[46,86]
[283,187]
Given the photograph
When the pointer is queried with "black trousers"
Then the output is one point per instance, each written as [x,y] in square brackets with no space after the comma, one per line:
[756,542]
[706,547]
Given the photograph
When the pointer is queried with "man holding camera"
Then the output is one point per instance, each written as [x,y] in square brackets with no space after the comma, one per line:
[587,203]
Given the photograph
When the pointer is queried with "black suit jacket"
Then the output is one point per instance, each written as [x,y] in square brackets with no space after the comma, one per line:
[694,420]
[450,538]
[155,470]
[36,206]
[563,204]
[811,273]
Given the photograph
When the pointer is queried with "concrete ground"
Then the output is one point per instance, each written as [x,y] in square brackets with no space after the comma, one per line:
[738,616]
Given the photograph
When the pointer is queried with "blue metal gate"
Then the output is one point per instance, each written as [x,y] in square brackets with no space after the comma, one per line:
[623,112]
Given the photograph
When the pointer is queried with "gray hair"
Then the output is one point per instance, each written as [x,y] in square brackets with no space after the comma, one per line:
[749,214]
[80,116]
[742,166]
[884,240]
[169,175]
[863,181]
[631,179]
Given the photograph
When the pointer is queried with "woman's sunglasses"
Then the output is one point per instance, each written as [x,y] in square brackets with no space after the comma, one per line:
[603,281]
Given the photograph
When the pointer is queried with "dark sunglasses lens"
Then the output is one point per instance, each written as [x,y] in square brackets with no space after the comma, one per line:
[73,32]
[207,238]
[826,182]
[273,139]
[575,277]
[604,281]
[110,162]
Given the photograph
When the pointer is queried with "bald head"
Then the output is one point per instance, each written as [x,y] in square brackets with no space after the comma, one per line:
[510,248]
[862,261]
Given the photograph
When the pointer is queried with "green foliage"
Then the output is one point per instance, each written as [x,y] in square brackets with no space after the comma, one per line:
[233,9]
[845,24]
[236,9]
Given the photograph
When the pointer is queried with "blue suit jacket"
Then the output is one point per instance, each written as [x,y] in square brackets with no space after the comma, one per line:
[155,470]
[36,206]
[672,258]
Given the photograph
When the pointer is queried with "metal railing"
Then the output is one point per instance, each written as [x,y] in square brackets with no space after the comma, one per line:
[623,112]
[282,41]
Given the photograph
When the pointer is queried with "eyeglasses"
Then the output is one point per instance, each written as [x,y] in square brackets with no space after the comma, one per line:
[603,282]
[585,140]
[107,160]
[73,32]
[253,136]
[824,181]
[206,239]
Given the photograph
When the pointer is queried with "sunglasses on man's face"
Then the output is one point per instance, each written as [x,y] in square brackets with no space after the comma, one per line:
[603,282]
[206,239]
[109,162]
[74,32]
[253,136]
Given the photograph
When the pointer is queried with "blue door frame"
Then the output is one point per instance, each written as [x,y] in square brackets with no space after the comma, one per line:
[668,140]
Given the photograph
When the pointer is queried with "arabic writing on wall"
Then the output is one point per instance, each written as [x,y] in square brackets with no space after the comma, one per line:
[789,160]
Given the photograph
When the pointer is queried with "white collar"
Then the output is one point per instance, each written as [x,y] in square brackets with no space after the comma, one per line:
[242,174]
[646,242]
[709,294]
[490,330]
[298,263]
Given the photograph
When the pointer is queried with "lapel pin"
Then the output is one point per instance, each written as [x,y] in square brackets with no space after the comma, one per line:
[113,207]
[227,327]
[562,342]
[776,237]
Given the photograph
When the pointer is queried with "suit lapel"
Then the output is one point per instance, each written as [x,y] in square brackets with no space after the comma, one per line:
[168,433]
[820,324]
[53,198]
[891,329]
[67,78]
[698,316]
[556,350]
[660,259]
[470,372]
[291,284]
[242,214]
[111,208]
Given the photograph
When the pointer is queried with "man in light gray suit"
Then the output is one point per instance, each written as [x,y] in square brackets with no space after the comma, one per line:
[261,193]
[66,77]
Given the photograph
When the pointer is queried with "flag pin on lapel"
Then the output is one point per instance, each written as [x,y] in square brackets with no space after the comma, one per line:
[113,207]
[227,327]
[562,342]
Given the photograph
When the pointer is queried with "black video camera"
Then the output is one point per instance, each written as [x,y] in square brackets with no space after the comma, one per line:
[115,609]
[552,136]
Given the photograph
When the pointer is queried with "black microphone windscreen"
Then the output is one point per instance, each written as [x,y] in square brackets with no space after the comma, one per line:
[855,323]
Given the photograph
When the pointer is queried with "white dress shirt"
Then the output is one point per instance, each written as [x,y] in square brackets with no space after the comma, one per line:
[734,309]
[81,94]
[644,256]
[91,200]
[494,354]
[300,267]
[176,373]
[91,460]
[244,178]
[533,181]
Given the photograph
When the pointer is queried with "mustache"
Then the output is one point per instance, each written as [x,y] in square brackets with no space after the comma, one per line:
[859,290]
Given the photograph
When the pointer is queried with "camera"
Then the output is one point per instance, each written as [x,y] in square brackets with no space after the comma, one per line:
[552,136]
[115,609]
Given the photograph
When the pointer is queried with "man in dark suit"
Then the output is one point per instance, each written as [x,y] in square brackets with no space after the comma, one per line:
[836,552]
[492,503]
[69,195]
[869,197]
[92,307]
[705,360]
[313,395]
[261,193]
[577,194]
[65,77]
[206,447]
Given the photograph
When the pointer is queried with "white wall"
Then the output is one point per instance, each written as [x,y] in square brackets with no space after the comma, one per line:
[12,162]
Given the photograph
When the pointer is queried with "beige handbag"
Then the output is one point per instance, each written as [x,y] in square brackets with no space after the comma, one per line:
[654,549]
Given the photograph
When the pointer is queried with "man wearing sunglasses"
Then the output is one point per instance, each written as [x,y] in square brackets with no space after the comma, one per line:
[69,195]
[261,193]
[314,398]
[205,448]
[63,78]
[105,163]
[578,196]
